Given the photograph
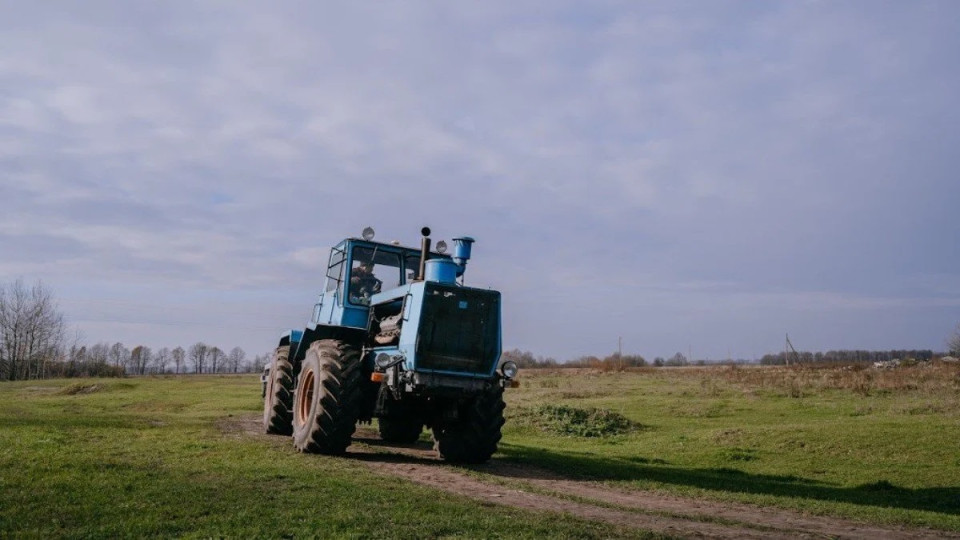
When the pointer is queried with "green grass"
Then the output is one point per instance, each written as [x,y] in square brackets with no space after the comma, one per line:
[878,446]
[163,457]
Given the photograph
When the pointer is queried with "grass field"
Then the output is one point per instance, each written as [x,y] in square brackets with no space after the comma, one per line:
[163,456]
[881,446]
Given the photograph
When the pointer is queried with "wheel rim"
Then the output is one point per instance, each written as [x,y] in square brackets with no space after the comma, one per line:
[305,396]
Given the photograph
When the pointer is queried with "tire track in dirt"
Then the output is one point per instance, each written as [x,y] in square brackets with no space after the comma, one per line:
[656,512]
[537,489]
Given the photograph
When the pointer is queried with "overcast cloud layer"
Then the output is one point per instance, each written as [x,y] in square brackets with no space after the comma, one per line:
[699,177]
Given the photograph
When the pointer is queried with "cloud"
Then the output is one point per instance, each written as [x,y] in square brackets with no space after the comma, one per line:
[801,154]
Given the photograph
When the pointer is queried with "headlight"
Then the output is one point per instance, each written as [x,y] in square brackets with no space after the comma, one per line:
[509,369]
[368,233]
[384,360]
[441,247]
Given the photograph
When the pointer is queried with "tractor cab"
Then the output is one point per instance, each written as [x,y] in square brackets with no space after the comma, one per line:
[357,270]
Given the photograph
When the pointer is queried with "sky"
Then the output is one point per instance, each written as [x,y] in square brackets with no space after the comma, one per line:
[695,177]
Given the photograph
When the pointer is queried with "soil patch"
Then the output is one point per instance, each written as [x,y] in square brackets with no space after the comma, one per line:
[80,388]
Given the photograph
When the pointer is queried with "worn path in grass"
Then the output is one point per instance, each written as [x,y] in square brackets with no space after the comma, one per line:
[533,488]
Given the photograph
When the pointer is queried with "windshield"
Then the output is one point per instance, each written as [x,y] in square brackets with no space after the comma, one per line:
[372,271]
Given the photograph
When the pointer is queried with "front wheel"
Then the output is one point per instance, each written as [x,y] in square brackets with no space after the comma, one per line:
[474,436]
[278,394]
[327,399]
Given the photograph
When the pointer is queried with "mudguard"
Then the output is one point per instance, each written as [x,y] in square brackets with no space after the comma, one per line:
[318,332]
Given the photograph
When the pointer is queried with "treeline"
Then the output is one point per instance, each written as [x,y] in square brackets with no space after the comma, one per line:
[103,359]
[846,357]
[33,346]
[116,360]
[612,362]
[526,359]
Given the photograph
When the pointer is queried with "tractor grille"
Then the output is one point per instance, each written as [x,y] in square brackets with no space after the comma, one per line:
[459,329]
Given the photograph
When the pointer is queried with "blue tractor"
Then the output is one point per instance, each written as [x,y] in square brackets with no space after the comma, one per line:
[395,336]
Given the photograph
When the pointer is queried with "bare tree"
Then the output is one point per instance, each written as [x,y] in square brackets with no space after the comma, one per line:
[140,357]
[216,359]
[198,355]
[119,355]
[31,331]
[99,354]
[255,365]
[953,343]
[235,358]
[178,355]
[77,355]
[160,360]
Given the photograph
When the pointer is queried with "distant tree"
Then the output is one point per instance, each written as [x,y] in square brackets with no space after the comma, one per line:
[99,353]
[179,355]
[198,355]
[235,358]
[633,360]
[659,361]
[216,359]
[953,343]
[31,331]
[160,360]
[257,363]
[524,359]
[76,356]
[140,358]
[677,360]
[119,355]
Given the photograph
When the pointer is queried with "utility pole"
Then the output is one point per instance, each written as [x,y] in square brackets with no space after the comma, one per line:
[787,347]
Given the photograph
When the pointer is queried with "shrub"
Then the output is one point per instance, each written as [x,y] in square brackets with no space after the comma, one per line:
[577,422]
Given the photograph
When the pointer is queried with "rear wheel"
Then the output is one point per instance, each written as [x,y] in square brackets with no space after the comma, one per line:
[327,399]
[278,396]
[474,436]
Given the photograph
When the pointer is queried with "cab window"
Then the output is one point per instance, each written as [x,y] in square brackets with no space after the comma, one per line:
[372,270]
[335,269]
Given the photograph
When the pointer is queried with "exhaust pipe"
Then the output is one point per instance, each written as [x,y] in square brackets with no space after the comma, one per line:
[424,249]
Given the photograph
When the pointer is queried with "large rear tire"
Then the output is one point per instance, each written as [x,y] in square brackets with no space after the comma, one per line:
[278,397]
[327,400]
[474,436]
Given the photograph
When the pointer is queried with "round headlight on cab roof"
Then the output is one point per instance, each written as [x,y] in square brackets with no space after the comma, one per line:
[368,233]
[441,247]
[509,369]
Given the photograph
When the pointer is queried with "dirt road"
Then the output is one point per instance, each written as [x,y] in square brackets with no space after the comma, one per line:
[533,488]
[538,489]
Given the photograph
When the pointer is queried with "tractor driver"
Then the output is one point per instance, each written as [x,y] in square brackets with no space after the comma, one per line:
[363,284]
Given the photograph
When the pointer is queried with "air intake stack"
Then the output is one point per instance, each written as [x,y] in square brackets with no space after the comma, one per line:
[461,253]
